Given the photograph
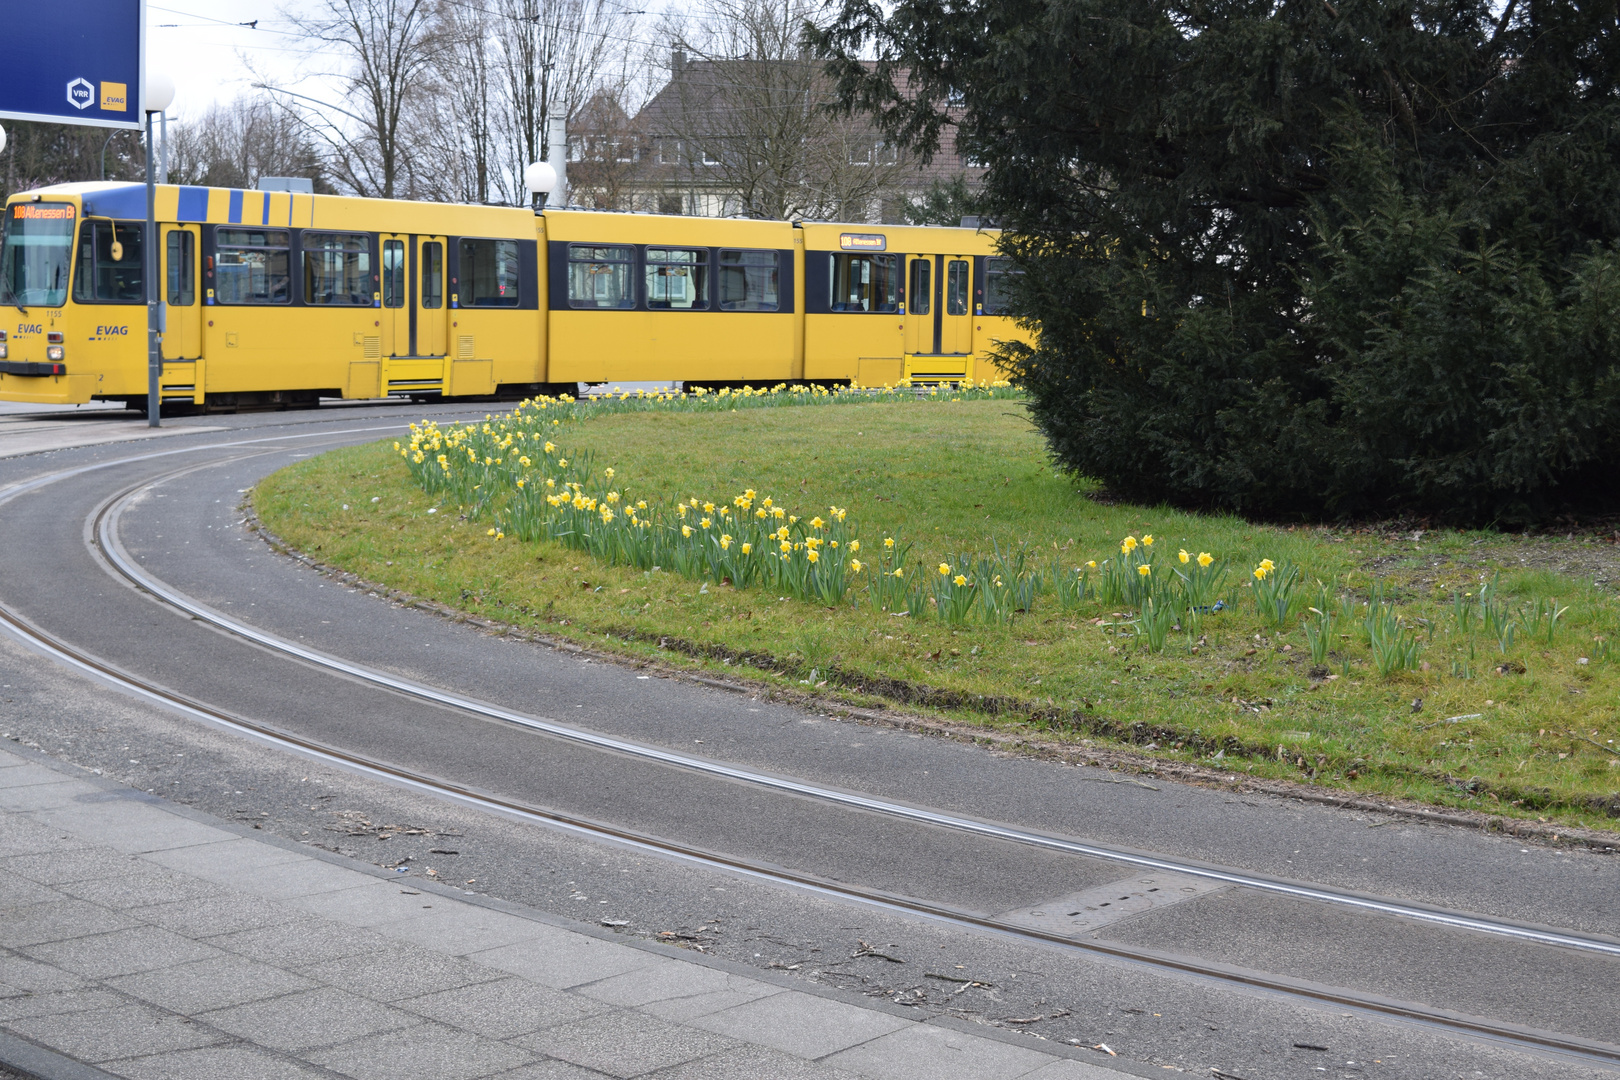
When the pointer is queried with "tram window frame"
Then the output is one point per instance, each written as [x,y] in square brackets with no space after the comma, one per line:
[759,271]
[661,266]
[958,286]
[478,259]
[432,275]
[351,269]
[587,263]
[877,267]
[274,245]
[393,274]
[920,287]
[96,238]
[180,268]
[996,298]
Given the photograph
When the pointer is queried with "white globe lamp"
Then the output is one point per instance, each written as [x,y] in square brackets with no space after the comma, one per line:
[541,180]
[2,140]
[159,91]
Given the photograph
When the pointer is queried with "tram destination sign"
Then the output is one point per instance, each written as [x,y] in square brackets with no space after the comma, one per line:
[77,63]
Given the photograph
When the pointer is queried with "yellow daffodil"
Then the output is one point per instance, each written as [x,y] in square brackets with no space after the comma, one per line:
[813,555]
[1127,545]
[1267,565]
[761,512]
[779,513]
[786,547]
[1147,541]
[725,542]
[748,549]
[1183,556]
[705,523]
[551,448]
[562,463]
[686,530]
[1260,573]
[490,533]
[856,565]
[608,472]
[854,546]
[959,580]
[944,570]
[1092,565]
[899,571]
[817,523]
[1145,570]
[1204,559]
[888,542]
[708,508]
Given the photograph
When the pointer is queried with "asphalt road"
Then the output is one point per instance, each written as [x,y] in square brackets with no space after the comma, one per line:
[187,531]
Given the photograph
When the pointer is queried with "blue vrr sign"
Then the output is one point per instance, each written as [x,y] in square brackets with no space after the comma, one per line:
[75,64]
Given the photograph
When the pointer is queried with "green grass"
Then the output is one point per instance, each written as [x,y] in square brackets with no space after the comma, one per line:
[957,477]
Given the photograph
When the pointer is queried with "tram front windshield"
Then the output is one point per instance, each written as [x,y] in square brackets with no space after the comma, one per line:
[34,257]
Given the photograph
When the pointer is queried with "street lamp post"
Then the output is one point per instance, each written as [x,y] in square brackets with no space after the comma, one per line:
[158,96]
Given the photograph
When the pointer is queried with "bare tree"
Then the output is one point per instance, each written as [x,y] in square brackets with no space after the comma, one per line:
[553,54]
[390,49]
[748,111]
[37,155]
[235,143]
[452,122]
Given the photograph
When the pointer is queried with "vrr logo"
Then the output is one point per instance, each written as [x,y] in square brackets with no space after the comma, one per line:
[80,94]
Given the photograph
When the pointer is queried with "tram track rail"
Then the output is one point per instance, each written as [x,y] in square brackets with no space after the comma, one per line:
[102,534]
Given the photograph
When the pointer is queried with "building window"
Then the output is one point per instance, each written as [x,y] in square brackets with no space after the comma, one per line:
[489,273]
[109,263]
[252,266]
[749,280]
[866,283]
[599,276]
[337,269]
[677,279]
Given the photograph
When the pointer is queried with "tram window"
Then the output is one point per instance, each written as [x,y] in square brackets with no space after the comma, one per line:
[393,273]
[956,287]
[677,279]
[749,281]
[432,275]
[999,274]
[337,269]
[252,266]
[489,273]
[182,269]
[866,283]
[599,277]
[109,263]
[920,293]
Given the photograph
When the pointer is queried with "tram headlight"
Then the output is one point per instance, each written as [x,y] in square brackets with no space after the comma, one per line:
[55,353]
[2,352]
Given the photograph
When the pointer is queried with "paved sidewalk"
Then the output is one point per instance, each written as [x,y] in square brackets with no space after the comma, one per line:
[145,940]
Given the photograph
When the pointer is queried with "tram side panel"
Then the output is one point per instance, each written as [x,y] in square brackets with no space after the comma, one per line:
[650,298]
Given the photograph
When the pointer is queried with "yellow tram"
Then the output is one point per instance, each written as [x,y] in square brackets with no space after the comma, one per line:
[276,298]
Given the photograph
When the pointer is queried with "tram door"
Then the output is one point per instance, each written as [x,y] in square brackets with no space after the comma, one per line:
[432,324]
[956,320]
[395,316]
[919,304]
[182,339]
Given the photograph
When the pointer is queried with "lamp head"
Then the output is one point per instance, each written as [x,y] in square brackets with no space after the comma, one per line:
[159,92]
[540,178]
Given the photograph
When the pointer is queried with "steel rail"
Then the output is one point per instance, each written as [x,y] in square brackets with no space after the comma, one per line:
[19,627]
[107,518]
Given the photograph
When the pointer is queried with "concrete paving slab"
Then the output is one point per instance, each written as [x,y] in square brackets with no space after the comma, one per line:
[58,1003]
[562,959]
[754,1063]
[625,1044]
[20,892]
[371,904]
[123,952]
[504,1009]
[425,1050]
[802,1024]
[130,826]
[58,919]
[659,981]
[25,774]
[402,972]
[316,1018]
[140,886]
[225,861]
[550,1070]
[82,864]
[22,835]
[218,1063]
[219,983]
[34,977]
[301,942]
[105,1034]
[221,913]
[926,1052]
[301,877]
[738,990]
[47,791]
[462,930]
